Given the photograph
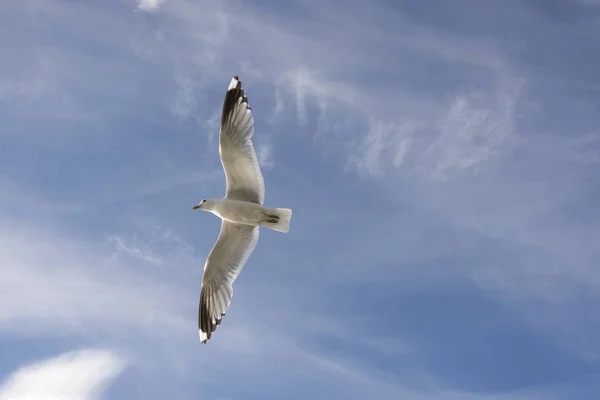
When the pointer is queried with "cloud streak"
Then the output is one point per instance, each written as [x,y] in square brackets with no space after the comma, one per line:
[375,127]
[78,375]
[149,5]
[47,291]
[453,161]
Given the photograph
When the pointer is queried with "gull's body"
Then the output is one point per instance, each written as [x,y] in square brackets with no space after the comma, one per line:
[241,211]
[244,212]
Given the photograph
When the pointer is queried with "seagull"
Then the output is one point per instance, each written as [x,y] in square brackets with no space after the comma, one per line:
[241,211]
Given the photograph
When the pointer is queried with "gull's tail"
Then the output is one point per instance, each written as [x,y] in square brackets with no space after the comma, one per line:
[278,219]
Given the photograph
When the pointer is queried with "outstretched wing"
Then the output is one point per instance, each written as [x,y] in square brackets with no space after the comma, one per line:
[242,171]
[227,258]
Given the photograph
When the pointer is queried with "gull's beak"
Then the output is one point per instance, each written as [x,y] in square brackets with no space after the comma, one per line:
[196,207]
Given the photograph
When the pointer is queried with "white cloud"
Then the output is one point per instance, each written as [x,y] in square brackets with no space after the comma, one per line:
[438,141]
[184,105]
[472,131]
[153,245]
[77,375]
[69,287]
[307,86]
[376,129]
[57,285]
[532,207]
[265,156]
[149,5]
[372,128]
[121,246]
[384,143]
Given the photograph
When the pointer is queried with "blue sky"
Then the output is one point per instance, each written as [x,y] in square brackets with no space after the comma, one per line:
[441,160]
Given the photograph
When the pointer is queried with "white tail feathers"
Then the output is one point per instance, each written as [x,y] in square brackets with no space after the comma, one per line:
[284,214]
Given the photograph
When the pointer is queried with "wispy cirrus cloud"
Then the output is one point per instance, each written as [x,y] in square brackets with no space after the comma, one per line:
[107,298]
[461,244]
[476,128]
[47,290]
[378,127]
[471,124]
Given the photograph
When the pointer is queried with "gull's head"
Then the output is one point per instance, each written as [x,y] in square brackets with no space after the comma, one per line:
[206,204]
[200,205]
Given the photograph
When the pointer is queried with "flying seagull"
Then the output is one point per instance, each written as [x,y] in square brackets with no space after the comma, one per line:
[241,211]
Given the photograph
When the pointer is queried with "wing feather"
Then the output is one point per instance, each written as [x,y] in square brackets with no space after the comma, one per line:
[242,170]
[227,258]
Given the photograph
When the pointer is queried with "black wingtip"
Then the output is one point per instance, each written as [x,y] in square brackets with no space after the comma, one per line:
[205,323]
[234,92]
[235,83]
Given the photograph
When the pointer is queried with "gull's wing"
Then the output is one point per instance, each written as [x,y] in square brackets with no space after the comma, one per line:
[229,254]
[242,171]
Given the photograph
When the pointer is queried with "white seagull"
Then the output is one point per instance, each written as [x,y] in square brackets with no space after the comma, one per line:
[241,211]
